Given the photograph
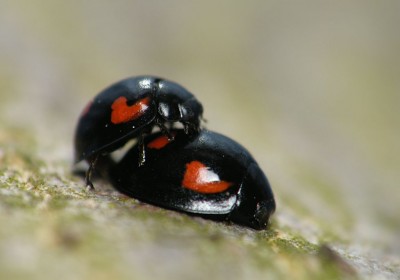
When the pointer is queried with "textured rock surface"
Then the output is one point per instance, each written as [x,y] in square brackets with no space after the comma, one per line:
[311,90]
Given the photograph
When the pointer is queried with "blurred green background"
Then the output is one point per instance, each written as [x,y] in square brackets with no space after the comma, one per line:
[311,88]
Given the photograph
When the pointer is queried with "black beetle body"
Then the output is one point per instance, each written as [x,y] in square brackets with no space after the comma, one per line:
[205,174]
[129,109]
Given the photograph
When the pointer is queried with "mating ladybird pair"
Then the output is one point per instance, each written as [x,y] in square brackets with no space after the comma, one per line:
[192,170]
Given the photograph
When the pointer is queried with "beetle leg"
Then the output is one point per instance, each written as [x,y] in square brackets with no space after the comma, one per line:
[164,130]
[190,128]
[89,172]
[142,152]
[186,128]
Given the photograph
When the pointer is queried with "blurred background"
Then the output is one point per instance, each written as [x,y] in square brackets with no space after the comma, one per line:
[310,88]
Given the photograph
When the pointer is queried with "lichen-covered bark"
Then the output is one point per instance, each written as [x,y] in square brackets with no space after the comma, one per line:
[52,227]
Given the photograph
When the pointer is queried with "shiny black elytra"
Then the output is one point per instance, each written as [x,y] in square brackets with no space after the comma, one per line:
[130,109]
[205,174]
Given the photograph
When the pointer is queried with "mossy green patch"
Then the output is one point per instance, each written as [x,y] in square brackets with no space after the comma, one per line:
[62,226]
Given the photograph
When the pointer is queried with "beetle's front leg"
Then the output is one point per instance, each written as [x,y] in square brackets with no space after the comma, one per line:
[164,130]
[89,172]
[142,151]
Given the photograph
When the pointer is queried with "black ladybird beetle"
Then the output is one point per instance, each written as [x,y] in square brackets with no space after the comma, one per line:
[131,108]
[205,174]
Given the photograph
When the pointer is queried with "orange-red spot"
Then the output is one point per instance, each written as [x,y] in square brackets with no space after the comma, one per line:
[160,142]
[121,112]
[200,178]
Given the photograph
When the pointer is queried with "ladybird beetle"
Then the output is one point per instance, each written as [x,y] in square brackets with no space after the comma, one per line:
[205,174]
[130,109]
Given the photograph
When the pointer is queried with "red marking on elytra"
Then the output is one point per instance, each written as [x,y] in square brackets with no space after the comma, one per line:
[200,178]
[122,113]
[160,142]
